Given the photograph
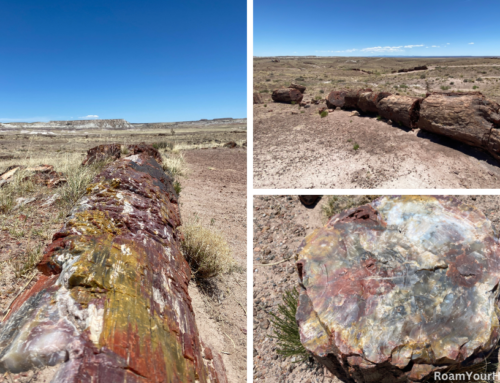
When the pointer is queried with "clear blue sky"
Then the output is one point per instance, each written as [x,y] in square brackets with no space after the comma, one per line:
[143,61]
[368,28]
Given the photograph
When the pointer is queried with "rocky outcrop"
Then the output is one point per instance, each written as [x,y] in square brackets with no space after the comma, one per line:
[76,124]
[469,118]
[287,95]
[398,289]
[112,304]
[102,153]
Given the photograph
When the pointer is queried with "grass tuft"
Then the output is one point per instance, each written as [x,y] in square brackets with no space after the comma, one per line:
[286,330]
[206,250]
[324,114]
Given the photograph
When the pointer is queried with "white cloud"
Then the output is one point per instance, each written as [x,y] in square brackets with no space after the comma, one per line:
[383,49]
[91,116]
[471,43]
[448,43]
[414,46]
[436,46]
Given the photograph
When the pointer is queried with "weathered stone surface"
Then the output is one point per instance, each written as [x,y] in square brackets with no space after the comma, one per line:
[257,98]
[112,304]
[351,98]
[402,287]
[287,95]
[102,153]
[300,88]
[368,101]
[401,109]
[470,118]
[336,98]
[147,149]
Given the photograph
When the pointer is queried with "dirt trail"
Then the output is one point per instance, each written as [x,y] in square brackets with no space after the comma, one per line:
[215,191]
[303,150]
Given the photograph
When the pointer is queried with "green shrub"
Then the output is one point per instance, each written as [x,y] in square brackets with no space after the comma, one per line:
[321,91]
[355,147]
[286,330]
[177,187]
[445,87]
[264,91]
[324,114]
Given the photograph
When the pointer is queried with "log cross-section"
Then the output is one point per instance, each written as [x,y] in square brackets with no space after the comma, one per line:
[112,304]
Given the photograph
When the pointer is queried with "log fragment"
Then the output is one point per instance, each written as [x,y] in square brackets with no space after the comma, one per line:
[145,148]
[401,109]
[351,98]
[257,98]
[287,95]
[368,101]
[336,98]
[470,118]
[300,88]
[102,153]
[398,289]
[112,304]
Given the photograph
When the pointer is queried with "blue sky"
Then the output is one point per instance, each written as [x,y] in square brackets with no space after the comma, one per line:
[143,61]
[368,28]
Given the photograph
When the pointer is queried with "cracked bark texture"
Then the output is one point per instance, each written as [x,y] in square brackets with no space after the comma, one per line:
[112,304]
[399,288]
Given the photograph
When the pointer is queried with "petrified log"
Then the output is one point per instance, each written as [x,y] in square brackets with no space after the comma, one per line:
[469,118]
[402,109]
[351,98]
[400,288]
[112,304]
[336,98]
[368,101]
[300,88]
[257,98]
[287,95]
[147,149]
[102,153]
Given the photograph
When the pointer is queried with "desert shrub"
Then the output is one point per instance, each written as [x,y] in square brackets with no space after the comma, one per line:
[163,145]
[265,105]
[321,91]
[324,114]
[286,330]
[268,79]
[264,91]
[379,117]
[404,86]
[445,87]
[475,87]
[300,79]
[452,83]
[177,187]
[337,203]
[479,79]
[175,165]
[206,251]
[422,76]
[355,147]
[318,98]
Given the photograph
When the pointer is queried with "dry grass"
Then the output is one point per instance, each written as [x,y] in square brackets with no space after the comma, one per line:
[206,250]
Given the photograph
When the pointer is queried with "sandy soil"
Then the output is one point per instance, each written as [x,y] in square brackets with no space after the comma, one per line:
[280,225]
[215,191]
[296,148]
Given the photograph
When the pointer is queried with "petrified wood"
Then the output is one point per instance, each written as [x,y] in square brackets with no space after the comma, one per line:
[351,98]
[336,98]
[146,148]
[400,288]
[468,117]
[102,153]
[368,101]
[257,98]
[401,109]
[300,88]
[112,304]
[287,95]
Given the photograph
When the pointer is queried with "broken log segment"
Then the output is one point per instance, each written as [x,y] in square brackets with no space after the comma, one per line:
[102,153]
[336,98]
[351,98]
[368,101]
[300,88]
[466,117]
[112,304]
[400,288]
[287,95]
[400,109]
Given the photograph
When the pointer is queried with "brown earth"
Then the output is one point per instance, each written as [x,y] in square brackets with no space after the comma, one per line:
[296,148]
[215,192]
[280,225]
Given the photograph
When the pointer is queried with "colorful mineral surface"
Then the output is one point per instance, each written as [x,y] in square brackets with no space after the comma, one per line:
[402,287]
[112,304]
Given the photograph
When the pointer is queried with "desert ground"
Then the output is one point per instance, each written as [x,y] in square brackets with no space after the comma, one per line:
[280,224]
[212,179]
[297,148]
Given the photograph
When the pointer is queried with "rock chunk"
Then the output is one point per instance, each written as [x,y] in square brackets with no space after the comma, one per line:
[102,153]
[368,101]
[287,95]
[470,118]
[401,109]
[336,98]
[145,148]
[398,289]
[300,88]
[257,98]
